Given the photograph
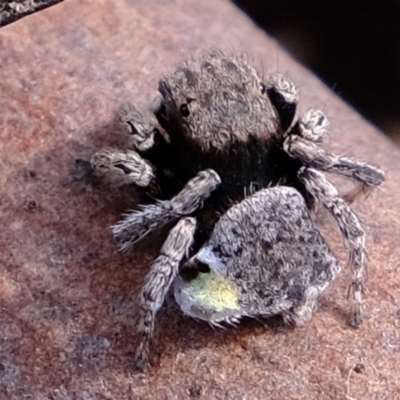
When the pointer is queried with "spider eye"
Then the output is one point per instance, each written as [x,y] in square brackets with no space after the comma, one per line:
[184,110]
[263,88]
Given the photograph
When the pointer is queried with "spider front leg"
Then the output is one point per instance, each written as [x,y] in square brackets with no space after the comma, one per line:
[122,168]
[303,143]
[143,128]
[157,283]
[324,192]
[284,97]
[127,167]
[140,223]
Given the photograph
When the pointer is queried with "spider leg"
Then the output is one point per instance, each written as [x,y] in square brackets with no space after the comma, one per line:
[143,128]
[324,192]
[303,143]
[122,167]
[139,223]
[284,97]
[157,283]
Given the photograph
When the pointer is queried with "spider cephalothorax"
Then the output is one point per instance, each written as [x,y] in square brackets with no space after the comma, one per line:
[242,177]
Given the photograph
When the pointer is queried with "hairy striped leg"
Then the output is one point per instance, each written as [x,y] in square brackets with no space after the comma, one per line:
[128,167]
[122,168]
[139,223]
[284,97]
[325,193]
[143,128]
[157,283]
[304,143]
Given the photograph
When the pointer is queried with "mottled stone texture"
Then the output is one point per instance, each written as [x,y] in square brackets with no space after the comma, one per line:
[11,11]
[66,294]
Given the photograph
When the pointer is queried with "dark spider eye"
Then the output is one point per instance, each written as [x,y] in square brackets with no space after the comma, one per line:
[184,110]
[263,88]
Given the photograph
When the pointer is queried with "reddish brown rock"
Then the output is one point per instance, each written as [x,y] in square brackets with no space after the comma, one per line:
[66,294]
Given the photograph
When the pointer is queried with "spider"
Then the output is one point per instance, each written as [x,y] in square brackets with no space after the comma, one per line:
[225,161]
